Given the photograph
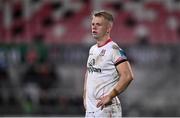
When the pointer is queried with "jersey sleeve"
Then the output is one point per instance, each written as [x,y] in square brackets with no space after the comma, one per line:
[91,49]
[119,55]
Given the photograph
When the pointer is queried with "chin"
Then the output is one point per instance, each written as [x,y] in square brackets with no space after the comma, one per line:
[95,37]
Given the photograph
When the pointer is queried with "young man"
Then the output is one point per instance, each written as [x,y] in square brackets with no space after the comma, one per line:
[108,71]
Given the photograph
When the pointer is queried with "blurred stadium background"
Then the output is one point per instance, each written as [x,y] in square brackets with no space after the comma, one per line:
[44,46]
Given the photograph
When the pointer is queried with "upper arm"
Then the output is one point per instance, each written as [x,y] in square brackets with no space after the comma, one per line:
[124,69]
[121,62]
[118,55]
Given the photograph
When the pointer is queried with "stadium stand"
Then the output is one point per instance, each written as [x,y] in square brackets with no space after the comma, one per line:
[59,22]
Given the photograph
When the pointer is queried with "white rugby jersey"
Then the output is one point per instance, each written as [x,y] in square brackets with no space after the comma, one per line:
[102,75]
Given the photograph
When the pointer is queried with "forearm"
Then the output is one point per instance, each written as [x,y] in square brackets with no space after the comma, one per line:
[121,86]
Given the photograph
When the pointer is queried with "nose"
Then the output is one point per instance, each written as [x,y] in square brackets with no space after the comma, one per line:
[94,27]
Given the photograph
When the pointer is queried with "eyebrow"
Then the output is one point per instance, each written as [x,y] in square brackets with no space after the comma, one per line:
[96,23]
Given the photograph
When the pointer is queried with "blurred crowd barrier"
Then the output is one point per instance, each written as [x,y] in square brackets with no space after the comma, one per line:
[40,79]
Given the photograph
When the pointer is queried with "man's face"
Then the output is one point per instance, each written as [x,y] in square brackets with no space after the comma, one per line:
[100,27]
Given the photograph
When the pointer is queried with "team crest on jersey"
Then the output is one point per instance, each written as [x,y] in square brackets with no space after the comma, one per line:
[102,53]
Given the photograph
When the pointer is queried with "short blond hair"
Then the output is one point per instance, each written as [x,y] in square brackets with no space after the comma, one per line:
[105,15]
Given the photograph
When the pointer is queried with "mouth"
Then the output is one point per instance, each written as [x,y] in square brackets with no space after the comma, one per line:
[94,32]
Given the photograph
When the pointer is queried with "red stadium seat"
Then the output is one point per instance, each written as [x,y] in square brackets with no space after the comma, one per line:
[42,22]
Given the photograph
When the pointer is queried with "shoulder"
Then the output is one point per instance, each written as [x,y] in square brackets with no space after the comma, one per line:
[92,47]
[116,49]
[114,46]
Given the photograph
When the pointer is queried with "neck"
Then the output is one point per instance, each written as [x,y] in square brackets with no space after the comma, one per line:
[102,41]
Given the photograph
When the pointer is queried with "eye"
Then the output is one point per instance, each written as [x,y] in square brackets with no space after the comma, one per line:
[98,24]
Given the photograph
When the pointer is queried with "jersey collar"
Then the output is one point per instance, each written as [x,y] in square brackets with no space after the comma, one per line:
[109,40]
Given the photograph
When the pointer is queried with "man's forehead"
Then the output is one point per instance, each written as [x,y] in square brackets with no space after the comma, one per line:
[98,19]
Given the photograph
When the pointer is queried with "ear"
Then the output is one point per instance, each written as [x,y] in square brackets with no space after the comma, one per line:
[109,27]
